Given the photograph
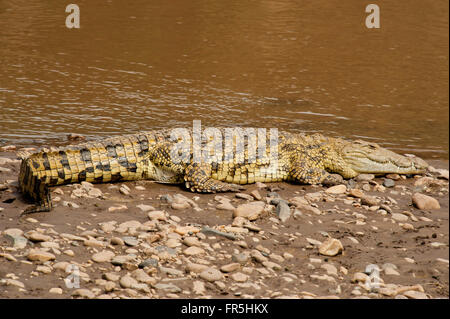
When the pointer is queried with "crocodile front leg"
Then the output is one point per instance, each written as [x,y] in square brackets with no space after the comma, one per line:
[197,178]
[310,172]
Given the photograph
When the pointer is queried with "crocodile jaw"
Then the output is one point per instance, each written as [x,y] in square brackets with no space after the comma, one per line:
[365,157]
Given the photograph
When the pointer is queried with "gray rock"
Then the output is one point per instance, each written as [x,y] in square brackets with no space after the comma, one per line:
[18,241]
[149,262]
[130,241]
[283,211]
[241,258]
[388,182]
[121,259]
[166,199]
[169,250]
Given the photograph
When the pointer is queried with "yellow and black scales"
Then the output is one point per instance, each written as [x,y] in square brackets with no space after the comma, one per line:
[299,158]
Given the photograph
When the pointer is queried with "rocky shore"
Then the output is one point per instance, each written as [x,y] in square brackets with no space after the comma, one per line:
[371,237]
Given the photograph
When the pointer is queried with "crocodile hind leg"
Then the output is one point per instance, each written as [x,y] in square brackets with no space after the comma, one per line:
[197,178]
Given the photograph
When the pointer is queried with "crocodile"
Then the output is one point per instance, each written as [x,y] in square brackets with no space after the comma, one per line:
[296,157]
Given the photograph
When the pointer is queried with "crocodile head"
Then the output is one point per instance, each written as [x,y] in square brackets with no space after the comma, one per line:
[366,157]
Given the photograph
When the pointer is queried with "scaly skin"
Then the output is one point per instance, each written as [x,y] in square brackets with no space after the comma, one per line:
[299,158]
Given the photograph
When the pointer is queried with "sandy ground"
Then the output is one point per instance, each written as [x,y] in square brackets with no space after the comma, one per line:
[269,258]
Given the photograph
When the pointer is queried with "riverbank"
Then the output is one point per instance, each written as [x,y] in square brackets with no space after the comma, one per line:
[148,240]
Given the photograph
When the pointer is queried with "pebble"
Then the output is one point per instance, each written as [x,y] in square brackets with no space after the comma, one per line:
[13,282]
[8,256]
[271,265]
[240,258]
[124,190]
[95,193]
[407,226]
[35,236]
[399,217]
[391,272]
[239,277]
[157,215]
[388,183]
[152,262]
[256,194]
[331,247]
[198,287]
[230,267]
[39,255]
[244,196]
[251,211]
[443,173]
[364,177]
[369,200]
[330,269]
[360,277]
[196,268]
[120,260]
[170,271]
[437,244]
[110,276]
[287,255]
[141,276]
[168,287]
[354,192]
[313,241]
[93,243]
[192,251]
[57,291]
[130,241]
[84,293]
[44,269]
[211,274]
[103,256]
[116,208]
[425,202]
[338,189]
[191,241]
[19,242]
[127,281]
[283,211]
[145,208]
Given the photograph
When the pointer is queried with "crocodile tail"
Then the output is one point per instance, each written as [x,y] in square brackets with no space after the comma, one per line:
[34,187]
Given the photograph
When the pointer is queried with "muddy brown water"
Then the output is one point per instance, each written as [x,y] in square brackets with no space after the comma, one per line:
[294,65]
